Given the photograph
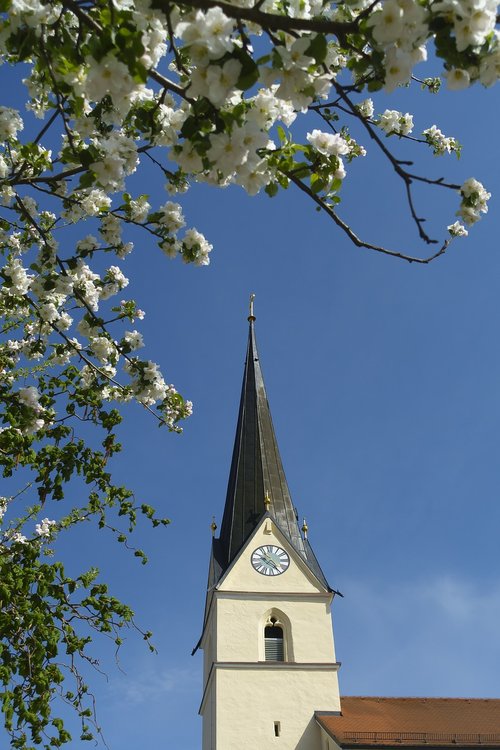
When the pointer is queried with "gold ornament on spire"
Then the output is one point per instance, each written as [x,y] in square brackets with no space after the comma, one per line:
[305,528]
[251,317]
[213,526]
[267,501]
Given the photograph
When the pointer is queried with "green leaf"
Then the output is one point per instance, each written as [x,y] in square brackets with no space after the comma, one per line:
[271,189]
[249,69]
[318,48]
[281,134]
[317,183]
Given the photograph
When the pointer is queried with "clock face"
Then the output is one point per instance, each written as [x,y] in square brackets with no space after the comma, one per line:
[270,560]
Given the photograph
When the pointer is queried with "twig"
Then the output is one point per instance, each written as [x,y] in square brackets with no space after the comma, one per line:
[354,238]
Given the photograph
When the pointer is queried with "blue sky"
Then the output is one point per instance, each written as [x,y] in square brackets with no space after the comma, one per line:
[384,385]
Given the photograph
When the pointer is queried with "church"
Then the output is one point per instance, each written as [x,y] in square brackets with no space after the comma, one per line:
[270,674]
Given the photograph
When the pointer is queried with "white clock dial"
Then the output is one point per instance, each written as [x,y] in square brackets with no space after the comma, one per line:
[270,560]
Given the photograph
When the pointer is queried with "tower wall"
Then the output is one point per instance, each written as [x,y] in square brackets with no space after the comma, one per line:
[248,701]
[270,709]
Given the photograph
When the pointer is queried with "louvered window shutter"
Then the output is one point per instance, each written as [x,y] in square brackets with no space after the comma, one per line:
[273,640]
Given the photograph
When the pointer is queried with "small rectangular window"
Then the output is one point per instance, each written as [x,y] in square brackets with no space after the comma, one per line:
[277,728]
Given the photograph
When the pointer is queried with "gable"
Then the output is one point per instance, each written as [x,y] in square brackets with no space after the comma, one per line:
[242,576]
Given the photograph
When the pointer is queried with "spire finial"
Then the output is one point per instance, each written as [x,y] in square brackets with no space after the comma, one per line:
[305,529]
[213,526]
[267,501]
[251,317]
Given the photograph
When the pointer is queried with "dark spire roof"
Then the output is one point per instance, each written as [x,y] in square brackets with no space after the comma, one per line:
[256,468]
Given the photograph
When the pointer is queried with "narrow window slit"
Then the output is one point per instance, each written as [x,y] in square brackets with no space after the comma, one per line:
[277,728]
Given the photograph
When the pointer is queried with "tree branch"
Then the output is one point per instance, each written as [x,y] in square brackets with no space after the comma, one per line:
[267,20]
[354,238]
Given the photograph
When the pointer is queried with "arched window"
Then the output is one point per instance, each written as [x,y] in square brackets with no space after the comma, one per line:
[273,640]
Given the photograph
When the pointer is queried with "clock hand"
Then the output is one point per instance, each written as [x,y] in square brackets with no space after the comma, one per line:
[270,562]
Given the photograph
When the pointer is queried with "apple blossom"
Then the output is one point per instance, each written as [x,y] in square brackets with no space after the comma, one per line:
[439,142]
[10,123]
[474,201]
[393,122]
[457,79]
[457,230]
[327,143]
[44,528]
[366,108]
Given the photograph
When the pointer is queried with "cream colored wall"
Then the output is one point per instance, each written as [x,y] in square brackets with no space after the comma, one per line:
[250,701]
[243,577]
[240,631]
[209,719]
[328,742]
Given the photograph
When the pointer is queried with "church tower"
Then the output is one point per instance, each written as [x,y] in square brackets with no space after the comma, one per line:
[269,658]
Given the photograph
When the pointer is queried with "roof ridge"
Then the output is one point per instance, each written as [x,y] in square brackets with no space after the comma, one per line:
[418,698]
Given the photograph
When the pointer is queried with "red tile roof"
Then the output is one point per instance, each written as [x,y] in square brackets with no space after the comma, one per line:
[418,722]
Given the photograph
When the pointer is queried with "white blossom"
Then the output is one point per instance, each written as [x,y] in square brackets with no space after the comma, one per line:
[16,537]
[35,421]
[30,397]
[392,121]
[457,79]
[171,217]
[48,312]
[366,108]
[103,348]
[329,144]
[10,123]
[474,201]
[88,244]
[207,33]
[489,67]
[4,168]
[139,209]
[18,277]
[134,339]
[119,159]
[196,248]
[253,176]
[439,142]
[109,76]
[227,152]
[44,528]
[398,66]
[388,23]
[216,82]
[111,229]
[457,230]
[115,281]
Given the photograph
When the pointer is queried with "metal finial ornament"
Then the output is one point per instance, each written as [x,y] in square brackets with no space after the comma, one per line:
[213,526]
[267,500]
[305,529]
[251,317]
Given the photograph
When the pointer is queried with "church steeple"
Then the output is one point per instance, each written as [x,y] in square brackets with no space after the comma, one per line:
[256,467]
[267,633]
[257,482]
